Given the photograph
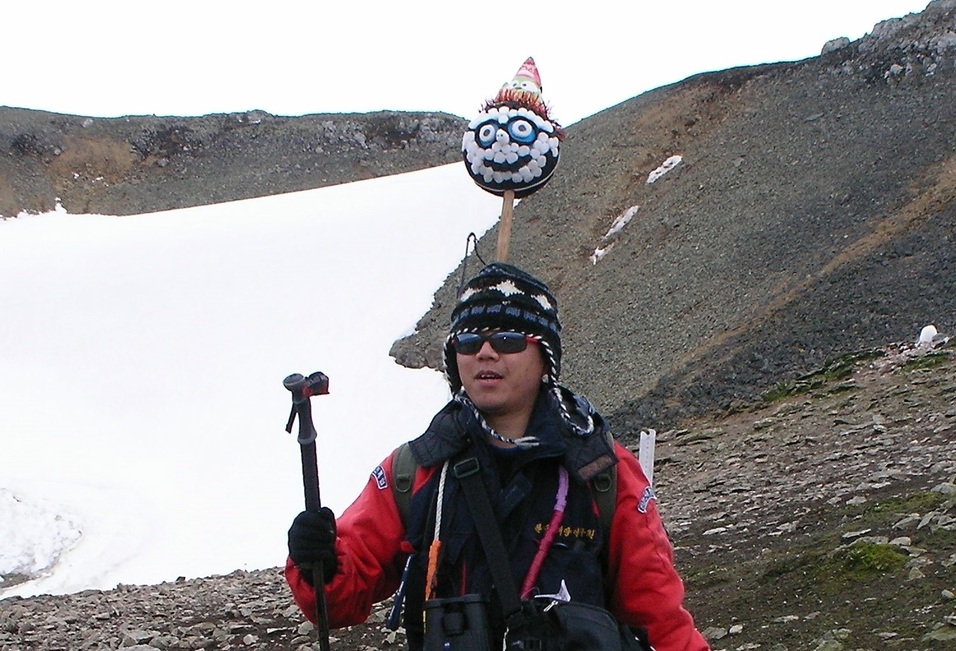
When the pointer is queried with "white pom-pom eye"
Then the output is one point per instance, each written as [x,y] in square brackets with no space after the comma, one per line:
[485,134]
[523,131]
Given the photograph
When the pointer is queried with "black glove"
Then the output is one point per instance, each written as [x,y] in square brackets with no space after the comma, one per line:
[312,540]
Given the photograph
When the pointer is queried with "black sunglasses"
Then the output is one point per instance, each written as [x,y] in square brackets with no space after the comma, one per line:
[469,343]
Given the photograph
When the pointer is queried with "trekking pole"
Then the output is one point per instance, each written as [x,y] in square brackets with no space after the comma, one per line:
[303,388]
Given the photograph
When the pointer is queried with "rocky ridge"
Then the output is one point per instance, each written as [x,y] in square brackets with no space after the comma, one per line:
[131,165]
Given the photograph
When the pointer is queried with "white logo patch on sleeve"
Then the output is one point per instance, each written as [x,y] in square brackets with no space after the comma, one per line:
[646,498]
[380,479]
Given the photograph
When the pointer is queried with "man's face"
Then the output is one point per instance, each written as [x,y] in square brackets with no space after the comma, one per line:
[502,384]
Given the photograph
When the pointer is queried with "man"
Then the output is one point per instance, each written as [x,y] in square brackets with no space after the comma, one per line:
[503,360]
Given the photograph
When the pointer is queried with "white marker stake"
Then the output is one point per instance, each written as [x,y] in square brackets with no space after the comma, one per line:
[646,454]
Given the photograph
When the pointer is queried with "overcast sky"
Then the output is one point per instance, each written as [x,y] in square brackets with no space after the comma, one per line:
[110,58]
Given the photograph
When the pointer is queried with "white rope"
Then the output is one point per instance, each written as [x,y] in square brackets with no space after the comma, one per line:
[441,501]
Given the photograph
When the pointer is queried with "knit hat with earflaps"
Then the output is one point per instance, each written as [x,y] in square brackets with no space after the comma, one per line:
[503,297]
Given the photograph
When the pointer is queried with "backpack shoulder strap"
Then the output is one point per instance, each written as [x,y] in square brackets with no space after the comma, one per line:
[404,468]
[604,486]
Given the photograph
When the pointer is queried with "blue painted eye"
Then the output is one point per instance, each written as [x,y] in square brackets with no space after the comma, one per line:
[522,131]
[485,133]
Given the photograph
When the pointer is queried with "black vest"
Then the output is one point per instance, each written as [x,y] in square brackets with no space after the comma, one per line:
[522,485]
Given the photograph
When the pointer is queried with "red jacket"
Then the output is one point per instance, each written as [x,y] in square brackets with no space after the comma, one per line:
[646,590]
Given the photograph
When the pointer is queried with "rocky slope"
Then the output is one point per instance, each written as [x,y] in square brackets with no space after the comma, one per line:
[812,215]
[805,467]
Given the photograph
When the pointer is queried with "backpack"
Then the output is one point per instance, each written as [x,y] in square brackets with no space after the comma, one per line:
[404,467]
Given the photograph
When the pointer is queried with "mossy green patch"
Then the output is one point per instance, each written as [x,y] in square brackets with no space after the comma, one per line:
[921,502]
[834,370]
[867,560]
[929,360]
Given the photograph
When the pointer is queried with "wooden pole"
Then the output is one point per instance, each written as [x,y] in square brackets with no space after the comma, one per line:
[504,227]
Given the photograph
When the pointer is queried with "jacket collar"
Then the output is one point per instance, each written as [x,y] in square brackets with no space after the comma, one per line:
[457,426]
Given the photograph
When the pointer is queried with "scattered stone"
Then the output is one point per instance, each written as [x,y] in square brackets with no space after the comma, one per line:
[945,488]
[945,633]
[910,520]
[787,619]
[832,640]
[714,633]
[305,628]
[852,535]
[835,44]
